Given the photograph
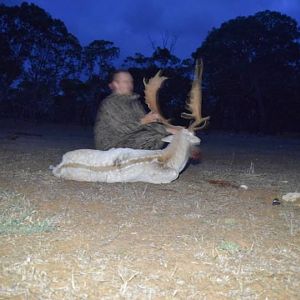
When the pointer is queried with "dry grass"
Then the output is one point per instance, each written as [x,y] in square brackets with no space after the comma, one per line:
[19,216]
[190,239]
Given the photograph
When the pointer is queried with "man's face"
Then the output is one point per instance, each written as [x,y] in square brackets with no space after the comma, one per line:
[122,84]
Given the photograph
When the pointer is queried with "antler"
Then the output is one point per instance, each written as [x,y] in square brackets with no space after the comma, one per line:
[151,89]
[194,104]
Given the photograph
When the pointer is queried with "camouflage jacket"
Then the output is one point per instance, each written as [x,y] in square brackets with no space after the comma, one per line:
[118,125]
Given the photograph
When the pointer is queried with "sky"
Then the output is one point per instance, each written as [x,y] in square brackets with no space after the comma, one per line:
[138,25]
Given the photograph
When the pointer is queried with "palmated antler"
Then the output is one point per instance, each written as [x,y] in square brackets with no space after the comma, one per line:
[151,89]
[194,103]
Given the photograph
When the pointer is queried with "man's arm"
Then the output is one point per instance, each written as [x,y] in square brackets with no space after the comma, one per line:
[150,117]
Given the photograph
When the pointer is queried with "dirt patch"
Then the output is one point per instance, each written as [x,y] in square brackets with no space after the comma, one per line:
[200,237]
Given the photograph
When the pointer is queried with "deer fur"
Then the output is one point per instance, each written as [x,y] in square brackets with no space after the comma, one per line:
[129,165]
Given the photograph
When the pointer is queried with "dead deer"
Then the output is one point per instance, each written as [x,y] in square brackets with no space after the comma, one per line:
[132,165]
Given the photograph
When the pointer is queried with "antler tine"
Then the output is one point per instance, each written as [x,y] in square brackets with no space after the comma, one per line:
[194,104]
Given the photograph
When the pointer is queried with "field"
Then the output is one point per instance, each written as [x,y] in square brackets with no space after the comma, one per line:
[211,234]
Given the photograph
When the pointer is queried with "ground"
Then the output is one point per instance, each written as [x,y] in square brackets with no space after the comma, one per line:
[202,236]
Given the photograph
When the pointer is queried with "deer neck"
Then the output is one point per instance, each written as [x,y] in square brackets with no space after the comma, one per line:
[177,153]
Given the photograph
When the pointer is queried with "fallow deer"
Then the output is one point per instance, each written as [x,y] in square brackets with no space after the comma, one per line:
[131,165]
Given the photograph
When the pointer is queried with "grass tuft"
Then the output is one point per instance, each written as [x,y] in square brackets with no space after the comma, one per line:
[229,246]
[19,216]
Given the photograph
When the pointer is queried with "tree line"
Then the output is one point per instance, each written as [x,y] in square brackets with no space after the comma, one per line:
[251,72]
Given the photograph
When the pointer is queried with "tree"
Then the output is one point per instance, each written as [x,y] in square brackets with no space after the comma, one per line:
[98,57]
[45,49]
[10,67]
[163,58]
[251,70]
[138,60]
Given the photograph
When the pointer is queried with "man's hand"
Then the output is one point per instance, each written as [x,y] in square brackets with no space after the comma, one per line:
[151,117]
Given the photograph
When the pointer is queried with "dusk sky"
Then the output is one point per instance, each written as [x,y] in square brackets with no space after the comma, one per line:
[133,24]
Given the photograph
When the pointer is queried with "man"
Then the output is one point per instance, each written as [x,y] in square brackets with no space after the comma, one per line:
[122,121]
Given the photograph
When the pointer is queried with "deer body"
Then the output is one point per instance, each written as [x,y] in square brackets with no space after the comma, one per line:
[129,165]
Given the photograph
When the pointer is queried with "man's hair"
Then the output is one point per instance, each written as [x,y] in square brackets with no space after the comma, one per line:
[113,75]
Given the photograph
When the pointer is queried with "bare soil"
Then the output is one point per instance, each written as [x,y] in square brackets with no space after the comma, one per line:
[202,236]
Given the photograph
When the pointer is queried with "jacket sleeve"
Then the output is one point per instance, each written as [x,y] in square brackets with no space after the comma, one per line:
[125,117]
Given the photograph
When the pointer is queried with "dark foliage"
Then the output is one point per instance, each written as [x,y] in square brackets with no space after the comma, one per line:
[251,72]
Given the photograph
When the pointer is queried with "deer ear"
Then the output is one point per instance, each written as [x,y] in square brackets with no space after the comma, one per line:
[167,139]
